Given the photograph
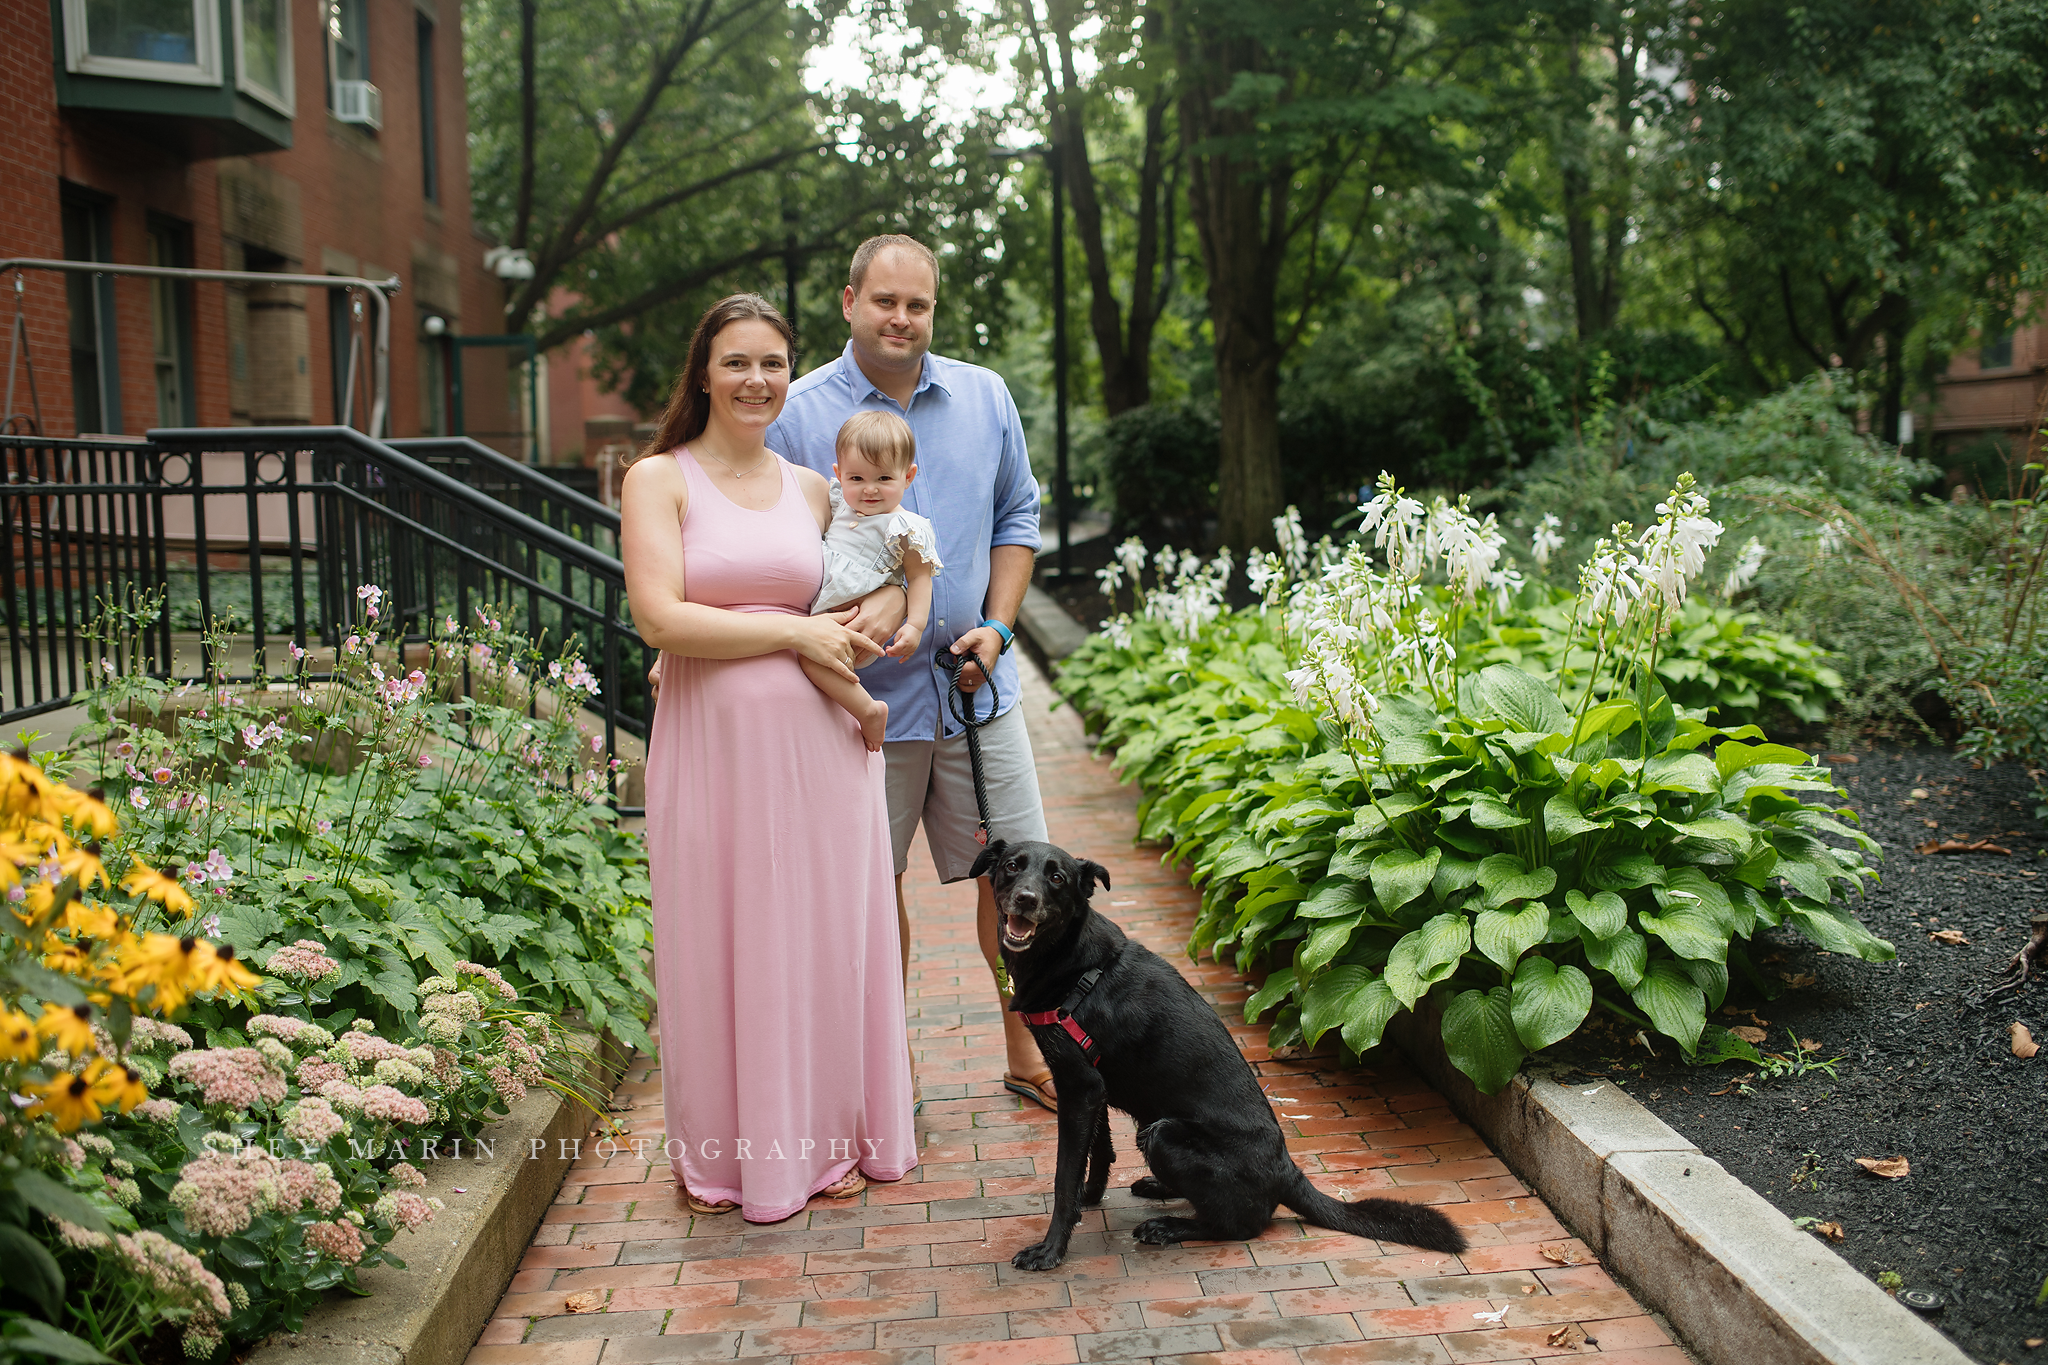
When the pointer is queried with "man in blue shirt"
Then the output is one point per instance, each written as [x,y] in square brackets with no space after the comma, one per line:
[974,484]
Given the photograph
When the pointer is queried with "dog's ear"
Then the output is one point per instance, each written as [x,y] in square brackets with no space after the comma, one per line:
[986,859]
[1093,872]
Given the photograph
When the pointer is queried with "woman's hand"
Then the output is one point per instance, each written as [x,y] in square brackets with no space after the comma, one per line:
[827,640]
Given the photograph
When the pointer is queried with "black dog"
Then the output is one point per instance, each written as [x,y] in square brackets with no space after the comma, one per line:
[1119,1026]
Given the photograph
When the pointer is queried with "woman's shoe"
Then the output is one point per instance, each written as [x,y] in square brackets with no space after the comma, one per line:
[697,1205]
[848,1186]
[1039,1092]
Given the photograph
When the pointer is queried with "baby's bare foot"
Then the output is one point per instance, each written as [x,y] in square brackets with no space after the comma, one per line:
[874,723]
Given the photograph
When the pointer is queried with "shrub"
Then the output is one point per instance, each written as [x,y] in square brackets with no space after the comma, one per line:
[386,813]
[1160,464]
[1378,818]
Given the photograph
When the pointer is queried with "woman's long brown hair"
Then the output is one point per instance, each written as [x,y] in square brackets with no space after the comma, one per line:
[689,407]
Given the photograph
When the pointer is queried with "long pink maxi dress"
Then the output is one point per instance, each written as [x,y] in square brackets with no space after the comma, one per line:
[776,955]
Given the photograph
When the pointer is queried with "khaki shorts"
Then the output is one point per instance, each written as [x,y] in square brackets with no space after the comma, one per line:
[933,780]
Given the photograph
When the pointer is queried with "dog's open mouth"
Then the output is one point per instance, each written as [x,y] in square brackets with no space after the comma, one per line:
[1018,933]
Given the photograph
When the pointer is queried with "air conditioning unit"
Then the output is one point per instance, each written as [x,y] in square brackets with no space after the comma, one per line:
[359,102]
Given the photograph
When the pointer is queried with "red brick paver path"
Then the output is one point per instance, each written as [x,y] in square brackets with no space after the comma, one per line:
[919,1273]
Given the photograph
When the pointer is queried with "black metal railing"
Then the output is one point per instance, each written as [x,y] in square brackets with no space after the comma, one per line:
[540,492]
[276,527]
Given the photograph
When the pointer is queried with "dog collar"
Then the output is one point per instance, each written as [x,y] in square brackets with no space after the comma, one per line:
[1063,1017]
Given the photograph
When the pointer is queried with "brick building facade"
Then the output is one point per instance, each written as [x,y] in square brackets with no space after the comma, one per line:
[1995,392]
[324,137]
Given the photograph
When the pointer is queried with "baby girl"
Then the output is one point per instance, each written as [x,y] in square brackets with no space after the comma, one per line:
[873,541]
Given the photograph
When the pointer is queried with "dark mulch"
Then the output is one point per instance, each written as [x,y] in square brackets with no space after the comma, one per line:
[1922,1070]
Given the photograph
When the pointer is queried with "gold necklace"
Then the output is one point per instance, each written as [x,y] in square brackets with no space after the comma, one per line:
[752,468]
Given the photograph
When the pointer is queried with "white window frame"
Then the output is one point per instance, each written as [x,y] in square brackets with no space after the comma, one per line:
[283,101]
[204,70]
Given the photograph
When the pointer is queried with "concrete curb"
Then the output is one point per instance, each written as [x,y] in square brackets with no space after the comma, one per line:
[457,1266]
[1739,1283]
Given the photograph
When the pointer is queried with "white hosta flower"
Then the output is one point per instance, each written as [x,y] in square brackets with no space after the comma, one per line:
[1746,566]
[1118,631]
[1608,581]
[1546,541]
[1111,577]
[1131,555]
[1293,541]
[1674,549]
[1834,536]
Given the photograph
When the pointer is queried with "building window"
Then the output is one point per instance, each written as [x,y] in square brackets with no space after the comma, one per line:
[170,319]
[263,52]
[95,352]
[350,96]
[1996,353]
[430,170]
[148,40]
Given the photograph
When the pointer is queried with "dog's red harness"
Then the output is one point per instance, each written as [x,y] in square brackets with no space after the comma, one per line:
[1063,1017]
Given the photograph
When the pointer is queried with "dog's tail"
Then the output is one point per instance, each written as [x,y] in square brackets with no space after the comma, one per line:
[1385,1220]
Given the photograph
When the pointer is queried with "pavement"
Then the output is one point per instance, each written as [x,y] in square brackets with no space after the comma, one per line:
[918,1273]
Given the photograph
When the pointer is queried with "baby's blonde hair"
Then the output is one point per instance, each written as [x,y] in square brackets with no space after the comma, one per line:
[881,437]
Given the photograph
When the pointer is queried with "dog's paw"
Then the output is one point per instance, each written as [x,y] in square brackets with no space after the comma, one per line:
[1158,1232]
[1042,1256]
[1091,1193]
[1148,1187]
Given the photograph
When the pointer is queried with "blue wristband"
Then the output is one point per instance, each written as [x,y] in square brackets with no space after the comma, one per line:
[1002,630]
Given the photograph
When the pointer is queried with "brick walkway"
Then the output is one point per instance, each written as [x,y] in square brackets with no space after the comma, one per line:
[920,1274]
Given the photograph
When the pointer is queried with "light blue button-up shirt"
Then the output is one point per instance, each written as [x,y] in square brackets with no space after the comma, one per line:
[974,484]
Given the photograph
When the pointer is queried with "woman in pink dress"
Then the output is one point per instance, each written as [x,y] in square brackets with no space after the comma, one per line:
[777,976]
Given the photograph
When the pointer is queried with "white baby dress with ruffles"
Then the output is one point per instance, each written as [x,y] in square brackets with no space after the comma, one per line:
[863,553]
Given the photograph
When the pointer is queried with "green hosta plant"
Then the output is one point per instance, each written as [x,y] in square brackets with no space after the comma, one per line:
[1381,824]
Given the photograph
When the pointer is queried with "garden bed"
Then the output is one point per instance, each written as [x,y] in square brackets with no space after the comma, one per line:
[1923,1071]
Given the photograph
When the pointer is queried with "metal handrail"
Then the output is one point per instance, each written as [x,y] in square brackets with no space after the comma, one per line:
[379,290]
[538,489]
[323,509]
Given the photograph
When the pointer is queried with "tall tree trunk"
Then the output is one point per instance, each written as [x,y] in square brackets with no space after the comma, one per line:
[1240,213]
[1126,358]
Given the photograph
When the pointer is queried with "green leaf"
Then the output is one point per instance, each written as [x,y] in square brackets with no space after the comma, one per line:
[1603,913]
[52,1344]
[1324,1003]
[1688,933]
[1505,937]
[1490,812]
[1719,1045]
[29,1270]
[1333,898]
[1326,942]
[1562,819]
[1680,772]
[1505,879]
[47,1197]
[1426,956]
[1622,957]
[1837,930]
[1731,757]
[1508,693]
[1454,875]
[1549,1001]
[1277,987]
[1480,1038]
[242,1254]
[1368,1014]
[1674,1002]
[1401,875]
[1626,873]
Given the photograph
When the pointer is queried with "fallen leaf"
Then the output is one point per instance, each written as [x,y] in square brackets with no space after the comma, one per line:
[1799,981]
[1561,1337]
[2035,1343]
[589,1301]
[2023,1044]
[1958,846]
[1808,1045]
[1891,1167]
[1953,937]
[1918,794]
[1832,1231]
[1843,758]
[1559,1254]
[1748,1034]
[1528,1289]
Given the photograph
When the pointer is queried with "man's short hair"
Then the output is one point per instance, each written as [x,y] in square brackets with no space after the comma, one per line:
[864,256]
[882,437]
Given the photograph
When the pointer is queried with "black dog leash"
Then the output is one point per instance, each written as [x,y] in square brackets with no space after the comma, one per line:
[962,706]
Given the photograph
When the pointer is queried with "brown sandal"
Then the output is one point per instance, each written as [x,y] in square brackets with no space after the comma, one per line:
[1039,1092]
[697,1205]
[839,1189]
